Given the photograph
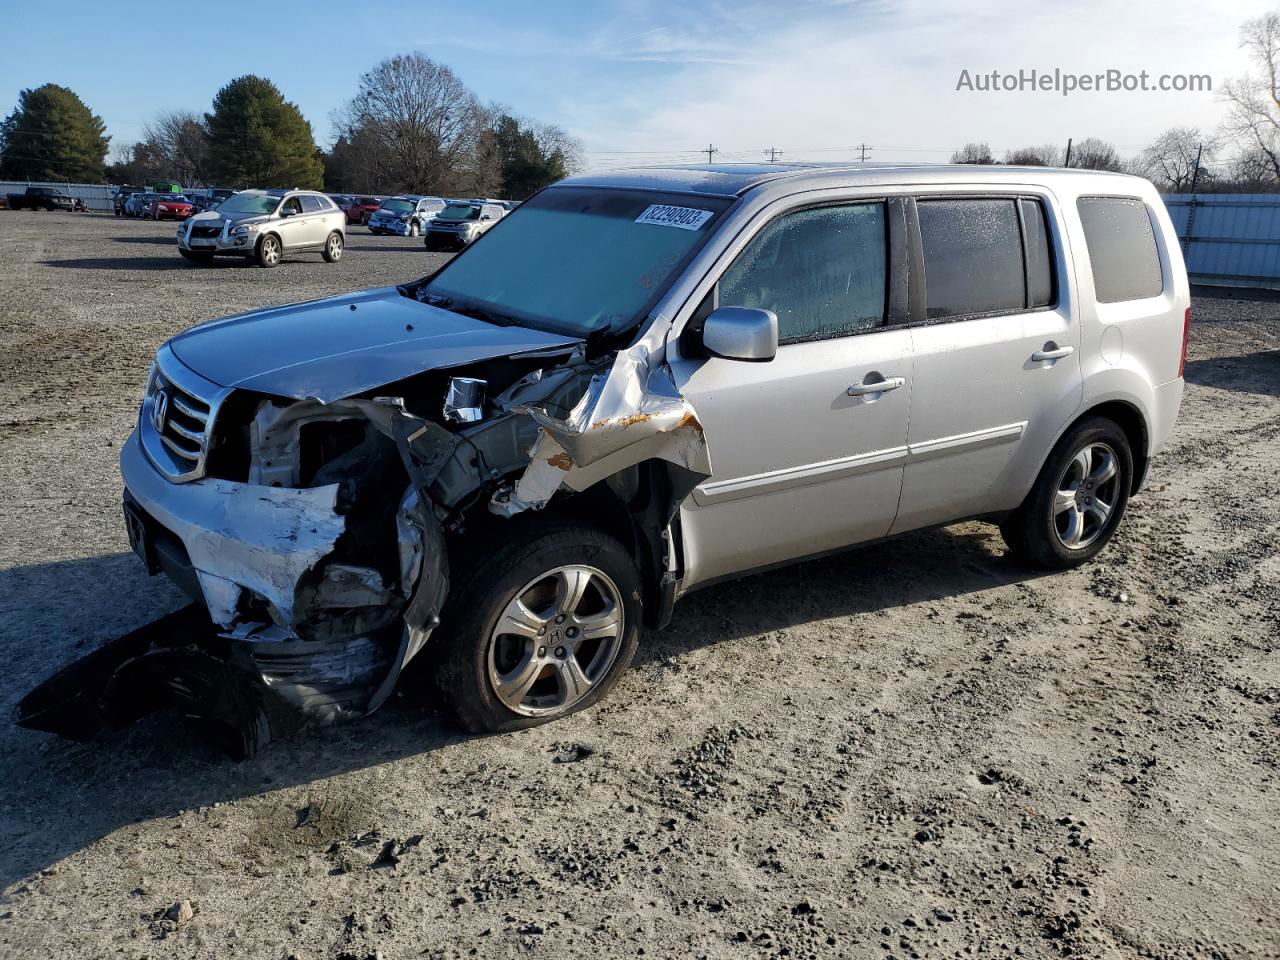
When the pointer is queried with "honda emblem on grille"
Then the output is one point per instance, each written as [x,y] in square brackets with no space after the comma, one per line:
[159,409]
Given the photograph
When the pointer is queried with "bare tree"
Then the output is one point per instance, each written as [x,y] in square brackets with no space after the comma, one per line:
[180,140]
[1170,161]
[1094,154]
[1254,99]
[1045,155]
[420,117]
[973,153]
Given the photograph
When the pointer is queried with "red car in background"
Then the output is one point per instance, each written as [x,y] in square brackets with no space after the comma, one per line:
[360,208]
[177,208]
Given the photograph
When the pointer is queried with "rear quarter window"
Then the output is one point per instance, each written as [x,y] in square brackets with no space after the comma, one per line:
[1122,248]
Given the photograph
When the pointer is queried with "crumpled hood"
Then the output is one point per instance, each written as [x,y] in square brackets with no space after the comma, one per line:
[338,347]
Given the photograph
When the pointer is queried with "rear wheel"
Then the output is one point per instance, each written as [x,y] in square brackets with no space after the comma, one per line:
[1081,494]
[540,629]
[333,247]
[269,251]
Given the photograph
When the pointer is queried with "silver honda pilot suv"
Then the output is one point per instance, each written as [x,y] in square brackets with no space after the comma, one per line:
[638,384]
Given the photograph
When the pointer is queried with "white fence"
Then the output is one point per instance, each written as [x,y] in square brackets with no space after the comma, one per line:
[96,196]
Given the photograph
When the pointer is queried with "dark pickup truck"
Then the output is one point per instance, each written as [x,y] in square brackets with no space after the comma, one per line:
[40,198]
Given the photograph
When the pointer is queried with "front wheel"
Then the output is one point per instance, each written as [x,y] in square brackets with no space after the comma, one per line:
[269,251]
[541,628]
[413,229]
[333,247]
[1081,494]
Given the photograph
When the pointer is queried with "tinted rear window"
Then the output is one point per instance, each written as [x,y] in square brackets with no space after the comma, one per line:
[972,256]
[1122,248]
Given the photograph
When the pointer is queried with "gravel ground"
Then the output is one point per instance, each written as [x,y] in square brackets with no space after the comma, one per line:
[931,752]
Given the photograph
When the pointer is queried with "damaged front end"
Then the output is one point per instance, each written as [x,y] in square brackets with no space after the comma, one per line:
[313,535]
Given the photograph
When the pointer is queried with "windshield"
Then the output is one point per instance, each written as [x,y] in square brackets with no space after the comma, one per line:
[398,206]
[249,203]
[579,259]
[459,211]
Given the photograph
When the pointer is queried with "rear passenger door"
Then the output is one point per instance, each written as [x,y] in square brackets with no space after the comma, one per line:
[997,369]
[315,230]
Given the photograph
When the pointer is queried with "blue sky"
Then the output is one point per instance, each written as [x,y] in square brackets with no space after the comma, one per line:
[654,80]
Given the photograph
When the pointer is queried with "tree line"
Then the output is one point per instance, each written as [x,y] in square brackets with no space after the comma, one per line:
[412,127]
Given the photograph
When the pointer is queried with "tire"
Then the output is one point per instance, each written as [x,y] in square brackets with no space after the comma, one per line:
[155,214]
[269,252]
[1063,523]
[333,247]
[560,671]
[413,229]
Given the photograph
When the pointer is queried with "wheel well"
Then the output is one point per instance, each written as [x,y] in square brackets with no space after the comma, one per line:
[1129,418]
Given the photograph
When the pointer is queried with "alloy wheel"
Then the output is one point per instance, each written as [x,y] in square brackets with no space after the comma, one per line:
[1087,493]
[555,640]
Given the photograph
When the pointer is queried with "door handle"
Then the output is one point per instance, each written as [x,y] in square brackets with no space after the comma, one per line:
[876,386]
[1052,351]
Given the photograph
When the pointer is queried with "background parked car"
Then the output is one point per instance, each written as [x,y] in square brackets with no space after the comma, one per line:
[361,208]
[121,197]
[171,207]
[461,223]
[264,225]
[40,198]
[405,216]
[343,200]
[136,204]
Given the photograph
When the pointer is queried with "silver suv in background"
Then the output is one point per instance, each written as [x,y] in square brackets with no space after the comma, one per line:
[266,225]
[644,383]
[461,223]
[405,216]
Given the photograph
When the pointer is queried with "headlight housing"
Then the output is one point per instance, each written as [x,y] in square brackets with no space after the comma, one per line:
[244,230]
[403,219]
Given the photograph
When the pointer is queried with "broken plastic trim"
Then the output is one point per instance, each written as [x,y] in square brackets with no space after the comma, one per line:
[635,407]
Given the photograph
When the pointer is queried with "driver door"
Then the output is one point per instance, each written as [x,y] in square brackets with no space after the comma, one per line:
[291,226]
[807,449]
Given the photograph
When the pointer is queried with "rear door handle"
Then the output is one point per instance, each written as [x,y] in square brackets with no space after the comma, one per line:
[1052,352]
[876,386]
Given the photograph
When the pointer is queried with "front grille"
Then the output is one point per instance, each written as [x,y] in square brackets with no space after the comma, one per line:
[183,423]
[177,418]
[199,231]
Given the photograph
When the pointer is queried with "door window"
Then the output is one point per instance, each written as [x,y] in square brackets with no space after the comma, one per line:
[290,207]
[311,204]
[822,271]
[972,257]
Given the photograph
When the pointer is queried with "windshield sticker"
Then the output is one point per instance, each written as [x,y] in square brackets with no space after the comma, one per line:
[686,218]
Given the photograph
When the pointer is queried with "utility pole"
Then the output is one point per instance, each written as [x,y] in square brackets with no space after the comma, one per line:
[1191,209]
[711,151]
[862,149]
[1067,162]
[773,153]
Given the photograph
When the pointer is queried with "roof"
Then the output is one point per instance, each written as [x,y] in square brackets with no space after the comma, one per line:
[734,179]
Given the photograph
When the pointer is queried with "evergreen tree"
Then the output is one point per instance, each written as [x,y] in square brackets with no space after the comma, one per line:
[52,135]
[259,139]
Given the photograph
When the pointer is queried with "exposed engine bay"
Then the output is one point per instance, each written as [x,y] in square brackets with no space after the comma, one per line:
[315,542]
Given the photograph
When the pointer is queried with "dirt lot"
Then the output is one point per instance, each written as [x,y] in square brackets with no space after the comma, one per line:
[925,752]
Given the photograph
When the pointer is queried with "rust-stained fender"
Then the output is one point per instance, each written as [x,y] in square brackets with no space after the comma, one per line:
[633,413]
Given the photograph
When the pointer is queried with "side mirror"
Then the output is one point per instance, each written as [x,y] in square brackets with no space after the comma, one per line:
[741,333]
[288,212]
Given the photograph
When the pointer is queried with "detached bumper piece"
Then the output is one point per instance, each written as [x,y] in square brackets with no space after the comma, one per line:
[246,691]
